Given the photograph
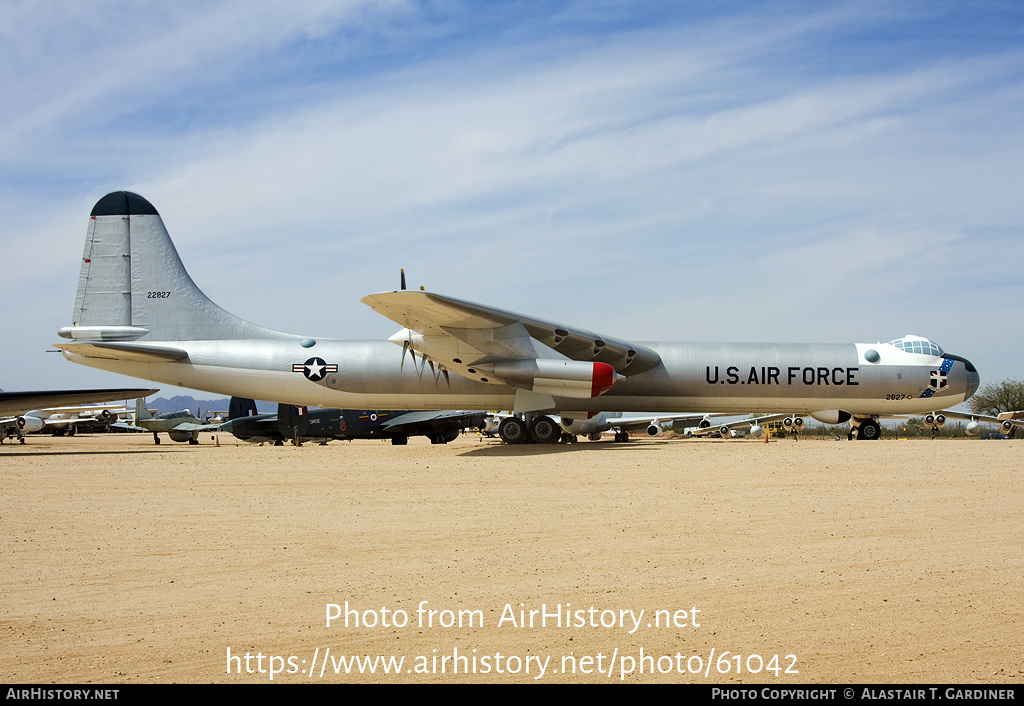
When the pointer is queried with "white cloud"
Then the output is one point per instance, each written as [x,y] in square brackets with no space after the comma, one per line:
[704,168]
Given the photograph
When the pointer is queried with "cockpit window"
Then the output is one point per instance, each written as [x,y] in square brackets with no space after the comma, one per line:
[914,344]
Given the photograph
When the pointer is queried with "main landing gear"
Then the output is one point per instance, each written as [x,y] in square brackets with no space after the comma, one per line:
[539,429]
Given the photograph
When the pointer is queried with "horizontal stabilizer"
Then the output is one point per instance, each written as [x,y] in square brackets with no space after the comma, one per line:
[124,351]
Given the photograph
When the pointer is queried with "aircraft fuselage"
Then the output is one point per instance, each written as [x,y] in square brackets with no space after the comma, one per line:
[709,377]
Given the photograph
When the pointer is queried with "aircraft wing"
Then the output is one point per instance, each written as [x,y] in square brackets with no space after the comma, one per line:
[190,426]
[1006,421]
[127,425]
[492,345]
[15,402]
[409,420]
[744,424]
[672,420]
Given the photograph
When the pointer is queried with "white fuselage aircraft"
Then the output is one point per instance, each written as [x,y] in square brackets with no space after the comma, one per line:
[137,312]
[23,422]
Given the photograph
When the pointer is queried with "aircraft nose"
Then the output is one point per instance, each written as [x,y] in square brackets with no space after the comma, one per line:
[973,380]
[971,377]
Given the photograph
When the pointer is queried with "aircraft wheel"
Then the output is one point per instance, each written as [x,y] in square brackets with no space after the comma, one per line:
[594,436]
[193,441]
[400,440]
[156,439]
[870,430]
[544,430]
[513,430]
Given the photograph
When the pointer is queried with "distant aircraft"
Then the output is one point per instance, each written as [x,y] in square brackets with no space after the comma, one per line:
[795,424]
[1006,421]
[28,420]
[137,312]
[180,426]
[64,420]
[652,425]
[290,422]
[754,427]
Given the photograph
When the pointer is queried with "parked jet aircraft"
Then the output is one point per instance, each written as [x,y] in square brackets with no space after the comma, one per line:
[28,421]
[652,425]
[180,426]
[1006,421]
[795,424]
[137,312]
[290,422]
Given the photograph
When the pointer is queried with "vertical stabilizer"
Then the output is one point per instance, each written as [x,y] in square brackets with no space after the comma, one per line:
[241,407]
[141,410]
[133,285]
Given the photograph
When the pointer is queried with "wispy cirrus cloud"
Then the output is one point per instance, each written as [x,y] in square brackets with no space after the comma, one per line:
[609,165]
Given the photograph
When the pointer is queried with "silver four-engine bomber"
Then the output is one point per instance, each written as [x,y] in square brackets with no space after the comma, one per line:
[138,312]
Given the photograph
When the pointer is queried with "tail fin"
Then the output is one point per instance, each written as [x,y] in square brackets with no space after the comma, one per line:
[292,421]
[241,407]
[133,286]
[141,411]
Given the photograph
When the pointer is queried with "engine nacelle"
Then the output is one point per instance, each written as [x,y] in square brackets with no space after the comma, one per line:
[1006,427]
[937,421]
[27,424]
[183,436]
[793,423]
[831,416]
[655,429]
[562,378]
[704,423]
[756,431]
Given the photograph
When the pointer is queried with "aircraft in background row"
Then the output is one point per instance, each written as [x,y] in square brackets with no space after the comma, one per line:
[622,425]
[180,426]
[137,312]
[27,420]
[795,424]
[291,422]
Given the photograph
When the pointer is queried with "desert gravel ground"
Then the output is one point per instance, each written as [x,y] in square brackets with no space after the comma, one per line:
[892,561]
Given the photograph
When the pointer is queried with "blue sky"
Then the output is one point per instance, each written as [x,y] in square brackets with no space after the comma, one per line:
[737,171]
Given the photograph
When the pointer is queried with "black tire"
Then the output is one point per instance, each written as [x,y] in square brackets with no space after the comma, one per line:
[869,431]
[544,430]
[513,430]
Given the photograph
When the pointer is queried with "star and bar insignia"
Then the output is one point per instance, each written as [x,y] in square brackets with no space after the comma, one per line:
[315,368]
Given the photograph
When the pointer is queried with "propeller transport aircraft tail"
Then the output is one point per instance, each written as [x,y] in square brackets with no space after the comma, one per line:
[138,312]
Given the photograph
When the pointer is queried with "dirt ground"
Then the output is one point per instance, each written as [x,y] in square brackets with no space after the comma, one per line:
[781,563]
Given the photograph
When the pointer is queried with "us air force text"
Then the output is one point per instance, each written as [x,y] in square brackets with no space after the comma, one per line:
[769,375]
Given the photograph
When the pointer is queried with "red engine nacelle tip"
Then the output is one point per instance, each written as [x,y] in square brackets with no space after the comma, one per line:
[604,378]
